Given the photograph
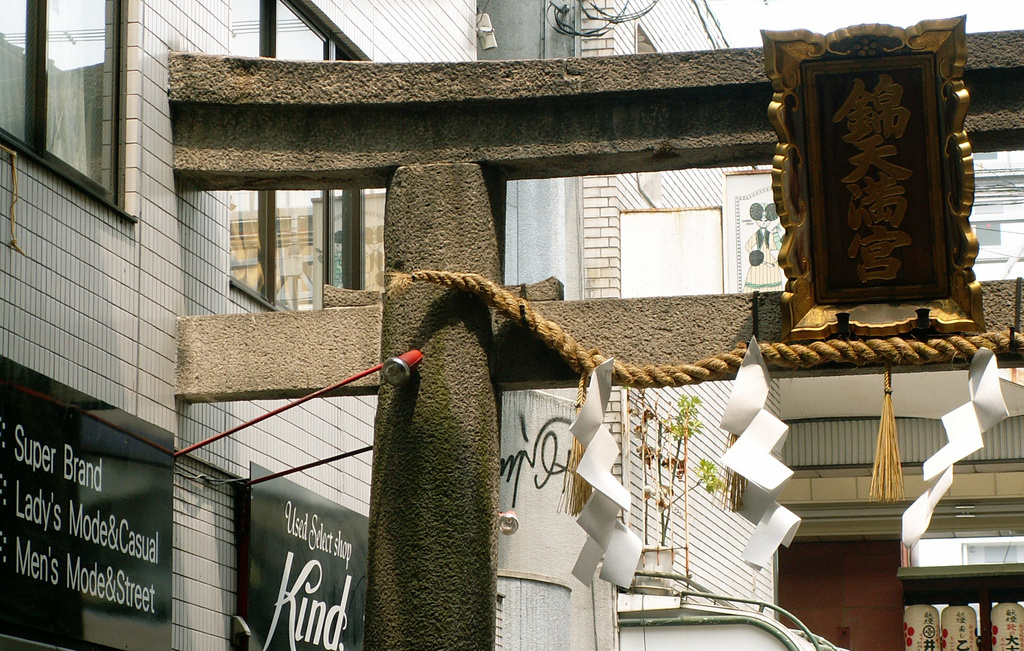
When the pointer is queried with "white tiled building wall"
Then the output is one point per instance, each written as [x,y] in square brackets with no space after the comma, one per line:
[93,303]
[205,556]
[69,306]
[409,30]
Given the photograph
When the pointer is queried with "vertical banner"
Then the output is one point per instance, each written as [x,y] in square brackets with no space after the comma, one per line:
[307,569]
[85,517]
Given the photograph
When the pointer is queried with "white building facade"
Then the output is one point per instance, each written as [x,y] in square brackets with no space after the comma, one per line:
[106,248]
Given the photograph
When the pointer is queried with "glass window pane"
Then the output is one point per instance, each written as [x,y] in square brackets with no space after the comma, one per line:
[12,68]
[243,215]
[245,28]
[297,213]
[373,239]
[80,75]
[295,40]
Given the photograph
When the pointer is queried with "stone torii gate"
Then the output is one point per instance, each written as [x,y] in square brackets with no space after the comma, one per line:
[444,138]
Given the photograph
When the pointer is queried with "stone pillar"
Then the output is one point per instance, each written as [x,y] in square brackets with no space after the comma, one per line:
[434,495]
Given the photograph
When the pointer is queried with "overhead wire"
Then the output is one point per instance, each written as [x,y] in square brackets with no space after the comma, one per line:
[592,12]
[704,23]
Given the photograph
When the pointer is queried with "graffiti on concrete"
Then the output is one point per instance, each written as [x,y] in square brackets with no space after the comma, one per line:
[545,459]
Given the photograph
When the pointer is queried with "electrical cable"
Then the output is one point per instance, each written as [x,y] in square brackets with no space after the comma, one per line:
[718,25]
[393,370]
[307,466]
[598,14]
[704,23]
[206,479]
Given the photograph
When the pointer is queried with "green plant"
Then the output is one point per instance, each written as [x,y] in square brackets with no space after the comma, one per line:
[663,446]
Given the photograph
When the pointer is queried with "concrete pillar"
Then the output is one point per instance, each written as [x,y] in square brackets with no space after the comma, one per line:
[434,495]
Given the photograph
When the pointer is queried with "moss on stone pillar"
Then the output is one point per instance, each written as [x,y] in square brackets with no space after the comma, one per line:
[434,500]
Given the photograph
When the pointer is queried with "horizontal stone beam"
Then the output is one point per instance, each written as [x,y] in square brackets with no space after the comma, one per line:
[277,354]
[265,123]
[674,330]
[291,354]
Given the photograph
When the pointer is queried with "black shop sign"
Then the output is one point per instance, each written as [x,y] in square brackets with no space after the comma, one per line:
[85,517]
[307,569]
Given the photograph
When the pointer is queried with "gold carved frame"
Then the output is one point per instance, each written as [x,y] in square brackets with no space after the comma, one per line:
[937,47]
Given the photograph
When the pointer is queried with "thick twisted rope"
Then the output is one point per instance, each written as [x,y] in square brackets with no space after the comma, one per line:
[895,351]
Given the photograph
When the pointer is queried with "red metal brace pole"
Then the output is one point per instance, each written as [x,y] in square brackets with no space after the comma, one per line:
[406,360]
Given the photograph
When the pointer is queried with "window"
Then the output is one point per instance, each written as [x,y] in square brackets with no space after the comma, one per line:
[287,244]
[59,76]
[285,30]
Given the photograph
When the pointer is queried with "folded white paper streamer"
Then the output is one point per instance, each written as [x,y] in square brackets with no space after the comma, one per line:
[760,433]
[964,427]
[608,538]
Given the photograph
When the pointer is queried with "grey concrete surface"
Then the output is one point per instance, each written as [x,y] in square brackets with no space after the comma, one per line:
[276,354]
[288,355]
[535,613]
[338,297]
[432,564]
[258,123]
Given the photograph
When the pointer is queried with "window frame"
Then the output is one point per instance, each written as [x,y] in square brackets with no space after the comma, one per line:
[353,245]
[34,145]
[334,48]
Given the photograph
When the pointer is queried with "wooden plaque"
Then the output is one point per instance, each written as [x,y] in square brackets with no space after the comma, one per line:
[873,179]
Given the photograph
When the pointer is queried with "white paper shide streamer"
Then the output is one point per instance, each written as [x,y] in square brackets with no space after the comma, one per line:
[760,435]
[964,426]
[608,537]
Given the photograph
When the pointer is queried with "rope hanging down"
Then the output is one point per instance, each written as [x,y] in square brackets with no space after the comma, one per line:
[894,351]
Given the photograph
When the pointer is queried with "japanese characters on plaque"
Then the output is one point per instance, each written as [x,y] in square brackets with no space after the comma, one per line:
[875,122]
[873,179]
[877,225]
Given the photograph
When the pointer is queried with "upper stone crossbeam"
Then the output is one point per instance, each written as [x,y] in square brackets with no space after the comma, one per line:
[266,123]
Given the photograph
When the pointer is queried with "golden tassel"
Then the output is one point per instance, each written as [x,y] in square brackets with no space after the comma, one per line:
[887,476]
[575,490]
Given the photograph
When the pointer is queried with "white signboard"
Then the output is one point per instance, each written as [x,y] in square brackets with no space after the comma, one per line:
[752,234]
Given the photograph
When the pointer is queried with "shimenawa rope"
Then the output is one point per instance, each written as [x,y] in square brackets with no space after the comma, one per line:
[888,352]
[894,351]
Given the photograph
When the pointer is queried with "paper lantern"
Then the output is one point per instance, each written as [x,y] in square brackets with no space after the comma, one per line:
[921,627]
[959,629]
[1007,622]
